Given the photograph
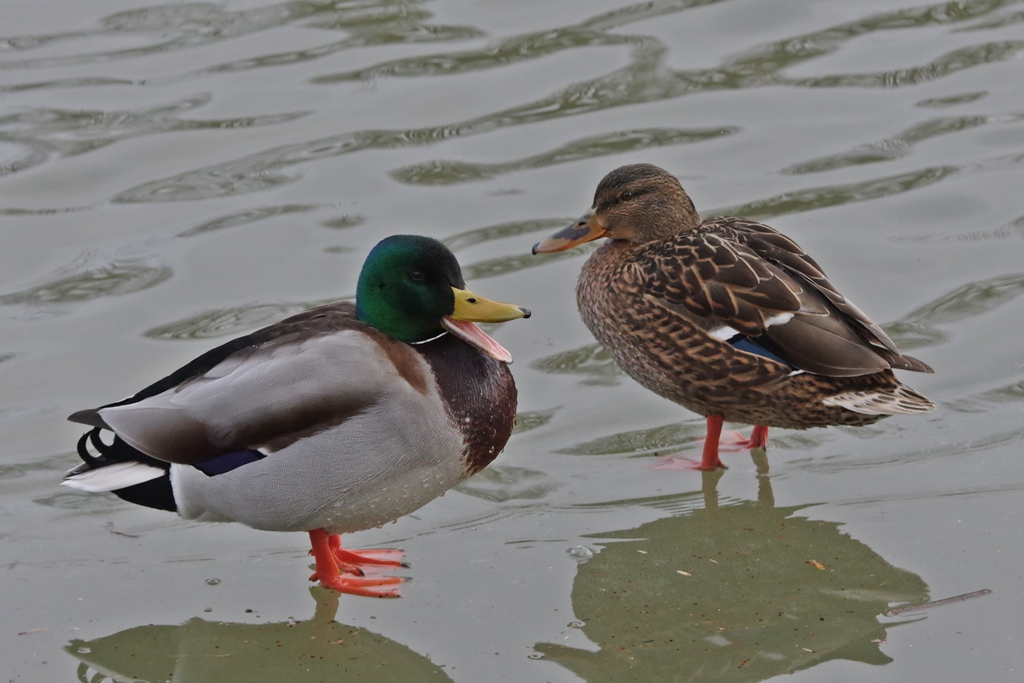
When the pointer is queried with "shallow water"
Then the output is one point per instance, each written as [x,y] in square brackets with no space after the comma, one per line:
[172,175]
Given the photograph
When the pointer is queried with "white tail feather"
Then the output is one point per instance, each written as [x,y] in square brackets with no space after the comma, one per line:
[901,400]
[113,477]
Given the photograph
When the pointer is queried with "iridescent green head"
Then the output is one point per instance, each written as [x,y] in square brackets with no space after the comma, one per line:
[411,289]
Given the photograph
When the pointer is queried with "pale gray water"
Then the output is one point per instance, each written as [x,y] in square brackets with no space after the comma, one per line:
[172,175]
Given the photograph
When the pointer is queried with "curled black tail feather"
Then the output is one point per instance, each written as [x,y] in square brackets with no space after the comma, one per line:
[155,493]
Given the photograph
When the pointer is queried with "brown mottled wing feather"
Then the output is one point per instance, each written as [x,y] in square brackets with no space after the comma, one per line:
[744,275]
[719,282]
[776,247]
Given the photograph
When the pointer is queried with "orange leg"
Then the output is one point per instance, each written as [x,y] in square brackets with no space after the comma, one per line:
[759,437]
[709,460]
[330,576]
[713,443]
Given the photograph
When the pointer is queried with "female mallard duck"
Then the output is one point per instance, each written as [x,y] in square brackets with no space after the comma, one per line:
[334,420]
[727,317]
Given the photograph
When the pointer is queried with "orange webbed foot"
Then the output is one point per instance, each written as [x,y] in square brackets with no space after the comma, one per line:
[367,557]
[732,442]
[340,570]
[379,587]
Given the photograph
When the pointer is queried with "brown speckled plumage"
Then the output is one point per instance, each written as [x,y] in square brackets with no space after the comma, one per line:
[727,316]
[666,352]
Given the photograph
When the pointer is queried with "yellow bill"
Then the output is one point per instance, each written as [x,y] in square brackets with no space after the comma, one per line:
[471,308]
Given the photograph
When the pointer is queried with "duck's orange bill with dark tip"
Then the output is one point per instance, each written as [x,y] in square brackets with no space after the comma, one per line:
[586,229]
[471,308]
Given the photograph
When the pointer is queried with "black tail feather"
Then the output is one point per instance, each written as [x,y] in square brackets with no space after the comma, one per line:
[155,493]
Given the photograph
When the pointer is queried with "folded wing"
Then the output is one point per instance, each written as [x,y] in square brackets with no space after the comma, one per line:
[741,281]
[263,392]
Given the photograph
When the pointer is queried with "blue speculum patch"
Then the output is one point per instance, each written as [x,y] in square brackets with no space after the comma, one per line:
[228,461]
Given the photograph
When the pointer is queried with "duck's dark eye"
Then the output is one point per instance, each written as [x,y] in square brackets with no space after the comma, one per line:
[626,196]
[416,276]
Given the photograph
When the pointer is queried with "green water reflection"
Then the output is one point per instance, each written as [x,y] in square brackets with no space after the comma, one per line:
[764,592]
[201,651]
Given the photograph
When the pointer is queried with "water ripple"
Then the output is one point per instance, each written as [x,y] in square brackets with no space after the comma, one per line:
[524,421]
[920,327]
[503,265]
[262,170]
[591,361]
[759,66]
[996,22]
[949,63]
[368,24]
[227,321]
[951,100]
[596,31]
[92,277]
[504,53]
[667,438]
[452,172]
[900,145]
[69,132]
[177,25]
[500,231]
[835,195]
[344,221]
[502,483]
[61,83]
[645,79]
[33,155]
[1013,229]
[246,217]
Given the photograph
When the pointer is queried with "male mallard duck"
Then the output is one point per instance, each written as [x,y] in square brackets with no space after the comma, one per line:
[727,317]
[334,420]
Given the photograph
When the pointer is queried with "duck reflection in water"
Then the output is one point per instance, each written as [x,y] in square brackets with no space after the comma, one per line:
[201,651]
[736,592]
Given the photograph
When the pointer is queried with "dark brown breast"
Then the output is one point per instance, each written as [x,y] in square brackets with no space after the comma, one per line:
[479,394]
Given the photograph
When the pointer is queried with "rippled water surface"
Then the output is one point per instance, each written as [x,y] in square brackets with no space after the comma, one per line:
[175,174]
